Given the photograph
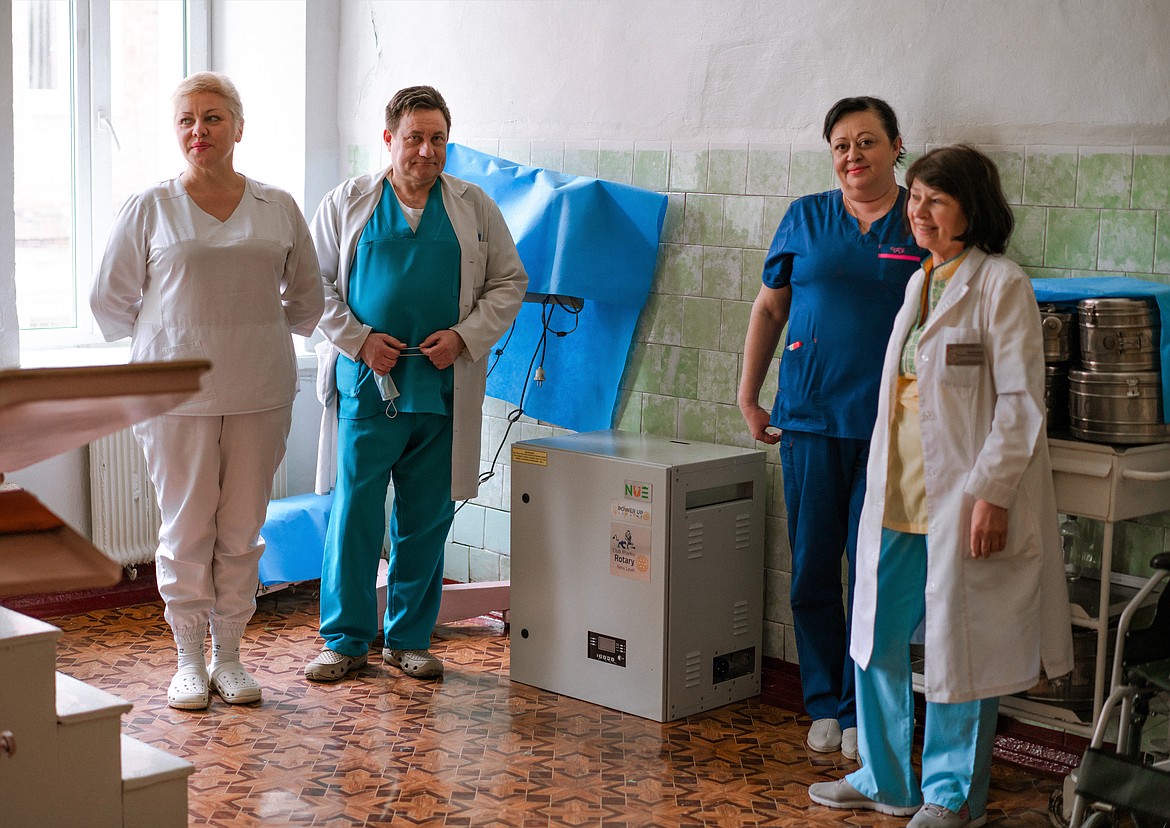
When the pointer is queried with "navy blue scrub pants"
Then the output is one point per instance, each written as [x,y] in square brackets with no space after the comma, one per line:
[824,487]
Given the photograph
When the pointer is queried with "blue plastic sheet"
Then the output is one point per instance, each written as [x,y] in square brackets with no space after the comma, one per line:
[294,538]
[581,237]
[1115,287]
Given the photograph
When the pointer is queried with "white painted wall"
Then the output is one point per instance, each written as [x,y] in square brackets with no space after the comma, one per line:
[260,45]
[282,56]
[322,143]
[992,71]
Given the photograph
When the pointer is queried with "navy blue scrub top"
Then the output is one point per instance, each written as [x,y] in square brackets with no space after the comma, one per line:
[846,290]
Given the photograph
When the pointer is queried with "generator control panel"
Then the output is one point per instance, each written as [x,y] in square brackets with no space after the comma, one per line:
[607,648]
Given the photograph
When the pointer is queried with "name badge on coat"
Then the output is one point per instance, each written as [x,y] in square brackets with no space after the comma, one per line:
[963,353]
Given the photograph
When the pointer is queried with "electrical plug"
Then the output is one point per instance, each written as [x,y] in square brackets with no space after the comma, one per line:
[539,377]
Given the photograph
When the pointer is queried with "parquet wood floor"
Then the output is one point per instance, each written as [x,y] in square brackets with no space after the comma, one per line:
[472,750]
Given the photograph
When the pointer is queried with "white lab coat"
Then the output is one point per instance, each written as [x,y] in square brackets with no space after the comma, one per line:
[991,623]
[492,282]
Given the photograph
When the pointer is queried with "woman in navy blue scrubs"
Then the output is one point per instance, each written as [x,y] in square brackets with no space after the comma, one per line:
[835,275]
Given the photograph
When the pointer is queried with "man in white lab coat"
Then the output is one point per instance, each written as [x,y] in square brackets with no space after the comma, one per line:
[421,279]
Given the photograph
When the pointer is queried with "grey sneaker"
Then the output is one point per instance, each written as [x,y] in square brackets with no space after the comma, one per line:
[415,663]
[840,794]
[849,743]
[824,736]
[936,816]
[333,666]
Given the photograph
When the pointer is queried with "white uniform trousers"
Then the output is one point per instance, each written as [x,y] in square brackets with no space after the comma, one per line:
[213,478]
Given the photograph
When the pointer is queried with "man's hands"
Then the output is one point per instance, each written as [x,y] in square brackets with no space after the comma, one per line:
[442,348]
[381,352]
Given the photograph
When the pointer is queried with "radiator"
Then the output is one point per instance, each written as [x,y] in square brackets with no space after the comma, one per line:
[122,504]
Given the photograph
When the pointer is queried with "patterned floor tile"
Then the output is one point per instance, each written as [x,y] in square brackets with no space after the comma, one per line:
[473,749]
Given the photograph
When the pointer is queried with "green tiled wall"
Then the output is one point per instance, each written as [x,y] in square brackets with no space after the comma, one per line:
[1080,211]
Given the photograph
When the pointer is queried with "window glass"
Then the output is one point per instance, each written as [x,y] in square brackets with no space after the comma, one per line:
[146,44]
[43,156]
[92,119]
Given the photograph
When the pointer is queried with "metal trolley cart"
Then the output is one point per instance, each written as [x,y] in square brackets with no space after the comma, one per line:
[1107,781]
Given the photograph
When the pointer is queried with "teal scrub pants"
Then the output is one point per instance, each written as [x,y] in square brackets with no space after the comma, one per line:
[413,450]
[956,751]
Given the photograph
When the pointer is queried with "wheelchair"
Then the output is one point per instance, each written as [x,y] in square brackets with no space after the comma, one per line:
[1122,787]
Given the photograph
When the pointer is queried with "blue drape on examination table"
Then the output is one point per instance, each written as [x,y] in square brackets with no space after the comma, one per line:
[294,539]
[582,237]
[1070,291]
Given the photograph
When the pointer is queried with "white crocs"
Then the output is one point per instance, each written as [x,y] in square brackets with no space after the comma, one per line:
[189,690]
[234,684]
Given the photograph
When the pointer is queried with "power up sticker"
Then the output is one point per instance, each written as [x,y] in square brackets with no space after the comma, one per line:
[629,510]
[629,551]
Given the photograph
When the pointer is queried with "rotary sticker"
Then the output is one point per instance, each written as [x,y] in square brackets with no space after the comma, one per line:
[629,551]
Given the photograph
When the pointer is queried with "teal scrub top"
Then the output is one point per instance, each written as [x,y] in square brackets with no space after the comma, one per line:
[404,283]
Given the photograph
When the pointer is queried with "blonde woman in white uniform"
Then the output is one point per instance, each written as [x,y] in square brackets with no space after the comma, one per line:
[212,265]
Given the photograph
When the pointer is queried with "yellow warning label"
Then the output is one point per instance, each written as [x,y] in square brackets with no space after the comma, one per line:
[527,455]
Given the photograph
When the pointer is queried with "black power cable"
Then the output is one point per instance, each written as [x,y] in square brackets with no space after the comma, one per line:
[547,307]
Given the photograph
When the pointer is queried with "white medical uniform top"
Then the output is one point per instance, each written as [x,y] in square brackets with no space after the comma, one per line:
[186,285]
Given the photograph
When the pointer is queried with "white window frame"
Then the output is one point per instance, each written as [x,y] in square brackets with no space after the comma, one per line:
[93,141]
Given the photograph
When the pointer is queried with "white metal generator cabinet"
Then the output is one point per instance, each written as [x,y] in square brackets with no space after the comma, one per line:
[638,571]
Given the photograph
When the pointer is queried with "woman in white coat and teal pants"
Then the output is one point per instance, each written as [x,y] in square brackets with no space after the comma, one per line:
[958,533]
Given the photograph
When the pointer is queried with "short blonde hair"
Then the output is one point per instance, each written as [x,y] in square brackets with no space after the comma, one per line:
[213,82]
